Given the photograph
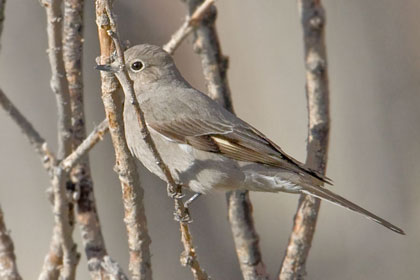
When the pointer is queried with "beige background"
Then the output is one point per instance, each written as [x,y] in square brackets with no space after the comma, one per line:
[374,66]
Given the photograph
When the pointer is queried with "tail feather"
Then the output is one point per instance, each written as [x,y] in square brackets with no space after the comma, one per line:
[325,194]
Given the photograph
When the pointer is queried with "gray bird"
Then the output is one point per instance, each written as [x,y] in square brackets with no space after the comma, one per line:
[205,146]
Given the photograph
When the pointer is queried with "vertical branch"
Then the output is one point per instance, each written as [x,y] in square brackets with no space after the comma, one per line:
[62,208]
[134,213]
[215,66]
[86,212]
[53,261]
[313,22]
[2,7]
[188,257]
[58,83]
[8,267]
[64,227]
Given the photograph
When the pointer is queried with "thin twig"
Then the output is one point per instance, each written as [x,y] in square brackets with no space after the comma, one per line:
[188,26]
[34,138]
[215,65]
[88,143]
[8,267]
[189,256]
[313,22]
[134,215]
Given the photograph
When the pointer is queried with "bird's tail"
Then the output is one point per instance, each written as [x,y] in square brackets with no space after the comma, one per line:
[326,194]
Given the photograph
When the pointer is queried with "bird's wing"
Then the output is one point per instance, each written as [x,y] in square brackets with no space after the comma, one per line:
[238,141]
[190,117]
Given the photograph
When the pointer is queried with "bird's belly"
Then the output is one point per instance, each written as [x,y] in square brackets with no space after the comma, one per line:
[197,170]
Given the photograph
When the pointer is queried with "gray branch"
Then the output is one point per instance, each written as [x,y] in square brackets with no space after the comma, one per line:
[60,88]
[2,8]
[8,267]
[88,143]
[313,23]
[80,174]
[34,138]
[215,65]
[133,194]
[58,83]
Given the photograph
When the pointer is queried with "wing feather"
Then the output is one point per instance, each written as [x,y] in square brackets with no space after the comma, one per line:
[238,141]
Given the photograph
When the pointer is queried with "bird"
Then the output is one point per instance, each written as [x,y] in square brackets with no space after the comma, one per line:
[205,146]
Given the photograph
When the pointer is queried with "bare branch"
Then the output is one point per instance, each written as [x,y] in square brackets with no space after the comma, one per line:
[313,22]
[2,8]
[134,215]
[64,228]
[34,138]
[8,267]
[60,88]
[88,143]
[174,190]
[215,66]
[86,211]
[59,83]
[53,261]
[106,268]
[188,26]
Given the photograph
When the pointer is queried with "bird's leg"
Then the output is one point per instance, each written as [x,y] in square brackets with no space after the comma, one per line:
[183,215]
[192,199]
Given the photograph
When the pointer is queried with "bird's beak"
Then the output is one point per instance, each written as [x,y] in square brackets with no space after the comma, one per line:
[111,68]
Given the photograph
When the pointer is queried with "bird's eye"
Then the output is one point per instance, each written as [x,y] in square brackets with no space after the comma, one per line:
[137,66]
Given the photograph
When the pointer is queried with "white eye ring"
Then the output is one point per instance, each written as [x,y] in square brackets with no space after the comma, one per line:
[137,66]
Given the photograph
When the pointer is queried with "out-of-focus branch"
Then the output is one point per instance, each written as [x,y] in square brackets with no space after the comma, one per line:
[53,261]
[8,267]
[86,211]
[134,214]
[188,26]
[65,228]
[313,21]
[61,208]
[2,7]
[34,138]
[215,65]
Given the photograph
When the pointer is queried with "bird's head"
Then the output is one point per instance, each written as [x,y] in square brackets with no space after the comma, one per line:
[147,64]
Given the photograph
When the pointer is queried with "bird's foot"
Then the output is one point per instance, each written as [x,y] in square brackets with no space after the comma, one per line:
[175,193]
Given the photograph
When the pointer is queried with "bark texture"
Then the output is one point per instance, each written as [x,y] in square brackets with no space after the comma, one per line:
[317,92]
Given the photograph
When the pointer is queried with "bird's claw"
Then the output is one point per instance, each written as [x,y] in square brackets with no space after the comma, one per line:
[175,194]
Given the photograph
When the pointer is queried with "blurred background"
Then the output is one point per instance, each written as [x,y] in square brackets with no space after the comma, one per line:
[374,71]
